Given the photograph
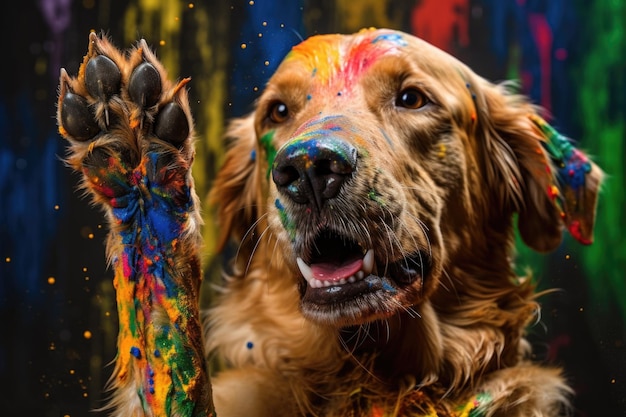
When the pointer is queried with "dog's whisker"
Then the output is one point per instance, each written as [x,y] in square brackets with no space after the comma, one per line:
[252,253]
[248,233]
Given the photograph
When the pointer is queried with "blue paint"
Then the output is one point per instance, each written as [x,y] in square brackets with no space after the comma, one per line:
[253,155]
[387,138]
[249,345]
[136,352]
[391,37]
[157,353]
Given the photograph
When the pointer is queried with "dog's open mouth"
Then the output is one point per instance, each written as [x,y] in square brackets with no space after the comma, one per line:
[341,271]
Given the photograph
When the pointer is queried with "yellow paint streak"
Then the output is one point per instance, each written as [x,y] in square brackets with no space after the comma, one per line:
[158,22]
[321,54]
[209,96]
[354,15]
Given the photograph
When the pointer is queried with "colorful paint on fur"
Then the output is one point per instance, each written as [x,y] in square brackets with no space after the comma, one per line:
[313,137]
[336,65]
[158,326]
[287,223]
[572,167]
[416,404]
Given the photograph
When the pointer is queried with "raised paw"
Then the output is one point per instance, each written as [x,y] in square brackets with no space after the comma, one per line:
[129,127]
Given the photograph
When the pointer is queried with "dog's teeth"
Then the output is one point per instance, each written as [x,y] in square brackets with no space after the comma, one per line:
[306,272]
[368,262]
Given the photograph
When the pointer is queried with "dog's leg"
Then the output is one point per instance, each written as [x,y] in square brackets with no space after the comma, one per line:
[129,131]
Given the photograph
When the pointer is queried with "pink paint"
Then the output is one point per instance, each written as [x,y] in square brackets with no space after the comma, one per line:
[336,65]
[542,34]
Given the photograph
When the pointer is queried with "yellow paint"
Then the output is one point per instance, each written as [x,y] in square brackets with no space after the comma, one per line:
[442,150]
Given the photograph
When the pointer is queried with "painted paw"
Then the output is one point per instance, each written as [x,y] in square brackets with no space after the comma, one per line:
[128,126]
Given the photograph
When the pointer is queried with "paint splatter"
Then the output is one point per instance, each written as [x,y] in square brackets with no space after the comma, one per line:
[270,151]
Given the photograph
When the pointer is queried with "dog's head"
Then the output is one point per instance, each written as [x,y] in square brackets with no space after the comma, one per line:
[373,161]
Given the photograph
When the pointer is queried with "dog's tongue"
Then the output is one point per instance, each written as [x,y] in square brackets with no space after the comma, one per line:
[336,270]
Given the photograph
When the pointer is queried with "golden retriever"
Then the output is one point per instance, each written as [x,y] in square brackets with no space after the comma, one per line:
[370,198]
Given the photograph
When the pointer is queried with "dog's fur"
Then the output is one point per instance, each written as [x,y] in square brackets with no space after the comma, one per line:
[375,144]
[443,181]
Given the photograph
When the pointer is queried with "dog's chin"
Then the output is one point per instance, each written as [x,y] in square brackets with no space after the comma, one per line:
[364,298]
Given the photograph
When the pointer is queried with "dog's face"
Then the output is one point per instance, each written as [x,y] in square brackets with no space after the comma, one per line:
[378,159]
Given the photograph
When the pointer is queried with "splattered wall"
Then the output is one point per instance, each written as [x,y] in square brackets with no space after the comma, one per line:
[55,290]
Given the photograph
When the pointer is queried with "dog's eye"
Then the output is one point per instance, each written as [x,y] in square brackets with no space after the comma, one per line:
[278,112]
[411,98]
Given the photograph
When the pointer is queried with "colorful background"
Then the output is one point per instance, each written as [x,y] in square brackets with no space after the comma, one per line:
[56,299]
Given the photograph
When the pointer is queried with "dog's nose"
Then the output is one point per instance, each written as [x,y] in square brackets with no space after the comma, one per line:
[312,171]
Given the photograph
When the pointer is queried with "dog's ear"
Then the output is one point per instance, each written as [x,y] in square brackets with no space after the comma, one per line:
[546,180]
[235,192]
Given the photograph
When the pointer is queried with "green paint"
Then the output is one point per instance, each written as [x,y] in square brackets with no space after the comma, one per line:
[270,151]
[376,196]
[603,122]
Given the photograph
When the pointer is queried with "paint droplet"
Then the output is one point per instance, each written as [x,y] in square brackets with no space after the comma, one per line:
[90,235]
[51,280]
[157,353]
[267,63]
[264,23]
[161,42]
[7,259]
[190,5]
[251,2]
[560,54]
[136,352]
[56,206]
[260,35]
[249,345]
[567,256]
[244,46]
[87,334]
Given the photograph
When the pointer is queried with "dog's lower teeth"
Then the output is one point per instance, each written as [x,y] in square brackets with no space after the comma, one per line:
[366,269]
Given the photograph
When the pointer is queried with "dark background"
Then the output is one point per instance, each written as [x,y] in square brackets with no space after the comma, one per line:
[57,307]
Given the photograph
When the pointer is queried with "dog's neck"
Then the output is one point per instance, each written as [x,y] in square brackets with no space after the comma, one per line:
[408,342]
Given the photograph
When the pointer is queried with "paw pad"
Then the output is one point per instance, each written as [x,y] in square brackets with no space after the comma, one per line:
[127,124]
[116,92]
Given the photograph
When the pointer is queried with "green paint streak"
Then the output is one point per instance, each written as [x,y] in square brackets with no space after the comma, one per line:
[270,151]
[601,77]
[376,197]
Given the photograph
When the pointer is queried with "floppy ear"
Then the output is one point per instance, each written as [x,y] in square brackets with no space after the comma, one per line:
[548,182]
[236,192]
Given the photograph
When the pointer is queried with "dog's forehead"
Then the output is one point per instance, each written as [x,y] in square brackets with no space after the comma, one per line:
[332,58]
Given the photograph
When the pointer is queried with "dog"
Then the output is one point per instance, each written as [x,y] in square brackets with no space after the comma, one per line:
[370,200]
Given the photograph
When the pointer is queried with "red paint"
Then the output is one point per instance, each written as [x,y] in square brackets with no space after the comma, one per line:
[437,20]
[542,34]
